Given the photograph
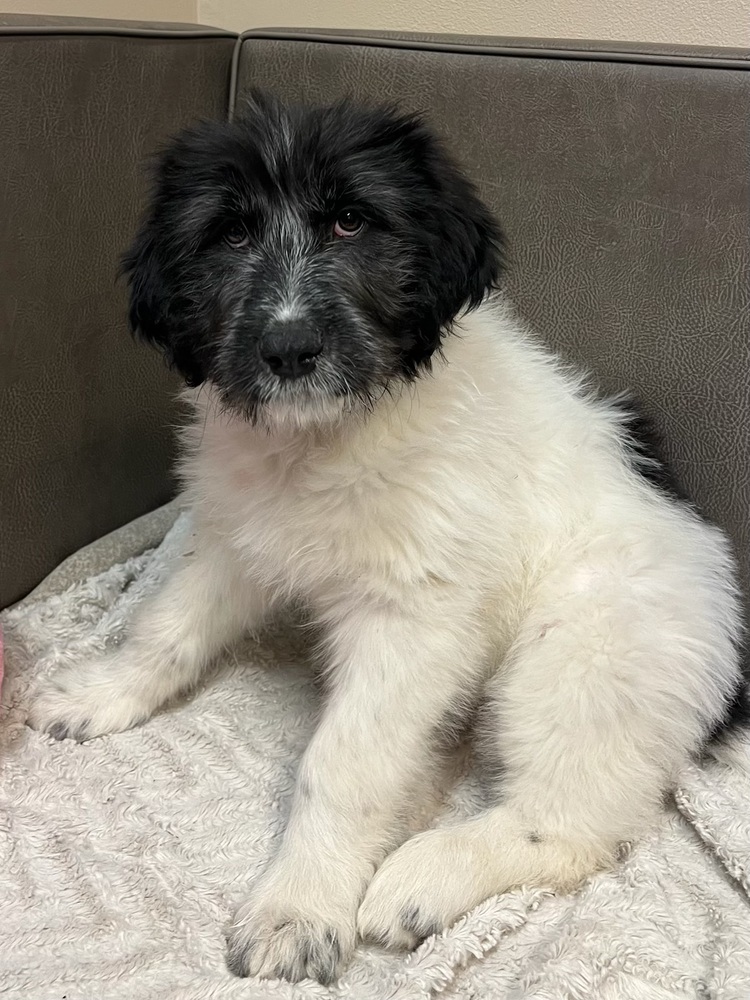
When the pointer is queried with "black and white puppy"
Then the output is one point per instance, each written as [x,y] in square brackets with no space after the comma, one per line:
[376,437]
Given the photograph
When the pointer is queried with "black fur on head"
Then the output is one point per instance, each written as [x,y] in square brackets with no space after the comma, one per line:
[300,255]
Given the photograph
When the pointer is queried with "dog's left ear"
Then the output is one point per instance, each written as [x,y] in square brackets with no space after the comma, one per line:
[471,242]
[474,268]
[463,243]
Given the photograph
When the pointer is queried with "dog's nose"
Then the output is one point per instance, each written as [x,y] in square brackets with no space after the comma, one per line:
[290,349]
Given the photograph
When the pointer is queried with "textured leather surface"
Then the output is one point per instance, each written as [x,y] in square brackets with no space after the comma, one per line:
[85,414]
[624,190]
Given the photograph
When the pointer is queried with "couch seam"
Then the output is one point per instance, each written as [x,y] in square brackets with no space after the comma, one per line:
[510,51]
[234,74]
[83,31]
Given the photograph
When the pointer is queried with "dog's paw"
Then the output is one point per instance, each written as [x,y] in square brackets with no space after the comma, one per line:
[282,946]
[292,933]
[420,889]
[83,702]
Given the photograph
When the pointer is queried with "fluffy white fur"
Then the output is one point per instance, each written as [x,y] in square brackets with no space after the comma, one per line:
[480,535]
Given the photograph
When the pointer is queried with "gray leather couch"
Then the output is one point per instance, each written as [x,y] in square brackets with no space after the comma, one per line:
[621,174]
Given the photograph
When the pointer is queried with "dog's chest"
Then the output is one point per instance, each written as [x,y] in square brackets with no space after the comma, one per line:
[309,522]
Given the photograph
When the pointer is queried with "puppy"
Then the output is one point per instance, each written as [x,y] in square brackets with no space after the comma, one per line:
[376,437]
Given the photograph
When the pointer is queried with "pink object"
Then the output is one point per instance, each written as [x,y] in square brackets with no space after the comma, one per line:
[1,656]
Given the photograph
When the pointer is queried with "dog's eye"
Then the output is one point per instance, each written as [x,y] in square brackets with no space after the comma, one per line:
[236,235]
[348,223]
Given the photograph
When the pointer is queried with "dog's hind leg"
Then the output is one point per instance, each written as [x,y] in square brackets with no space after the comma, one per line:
[598,704]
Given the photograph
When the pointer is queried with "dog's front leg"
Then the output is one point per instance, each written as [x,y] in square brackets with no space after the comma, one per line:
[395,675]
[207,602]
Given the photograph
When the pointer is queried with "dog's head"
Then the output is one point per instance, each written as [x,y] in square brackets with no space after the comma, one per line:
[302,259]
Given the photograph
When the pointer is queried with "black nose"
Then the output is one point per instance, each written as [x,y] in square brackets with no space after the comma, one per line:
[290,349]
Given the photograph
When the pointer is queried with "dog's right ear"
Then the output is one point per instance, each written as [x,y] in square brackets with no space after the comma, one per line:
[147,294]
[155,314]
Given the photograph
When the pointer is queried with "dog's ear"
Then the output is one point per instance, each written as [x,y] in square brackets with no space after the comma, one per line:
[153,313]
[158,313]
[148,296]
[463,243]
[470,252]
[471,244]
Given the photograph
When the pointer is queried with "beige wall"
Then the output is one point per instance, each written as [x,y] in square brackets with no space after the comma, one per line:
[696,22]
[134,10]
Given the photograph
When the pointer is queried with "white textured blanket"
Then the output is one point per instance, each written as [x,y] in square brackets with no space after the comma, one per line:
[122,859]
